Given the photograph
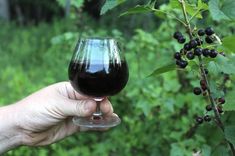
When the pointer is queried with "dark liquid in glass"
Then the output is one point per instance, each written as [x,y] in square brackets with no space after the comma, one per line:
[98,80]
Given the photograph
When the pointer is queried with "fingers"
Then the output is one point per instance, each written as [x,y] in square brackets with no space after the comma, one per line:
[66,90]
[80,108]
[106,107]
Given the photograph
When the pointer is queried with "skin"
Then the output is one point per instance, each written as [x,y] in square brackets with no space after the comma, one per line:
[45,116]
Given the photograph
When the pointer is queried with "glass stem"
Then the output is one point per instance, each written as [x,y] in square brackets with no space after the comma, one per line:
[98,112]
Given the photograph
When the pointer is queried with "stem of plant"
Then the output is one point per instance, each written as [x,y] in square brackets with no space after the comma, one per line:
[202,69]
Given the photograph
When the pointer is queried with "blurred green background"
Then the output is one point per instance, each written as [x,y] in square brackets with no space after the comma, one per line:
[37,39]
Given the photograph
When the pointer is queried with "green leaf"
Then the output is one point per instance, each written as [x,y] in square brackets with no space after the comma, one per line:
[110,4]
[216,12]
[228,9]
[229,133]
[138,9]
[77,3]
[193,11]
[228,43]
[163,69]
[220,151]
[206,150]
[202,5]
[230,101]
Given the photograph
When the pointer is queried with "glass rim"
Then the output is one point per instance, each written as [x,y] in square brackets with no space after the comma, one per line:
[96,38]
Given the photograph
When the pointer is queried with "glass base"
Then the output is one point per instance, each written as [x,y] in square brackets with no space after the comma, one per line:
[97,122]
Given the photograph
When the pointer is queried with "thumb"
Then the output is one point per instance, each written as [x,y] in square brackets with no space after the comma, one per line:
[81,108]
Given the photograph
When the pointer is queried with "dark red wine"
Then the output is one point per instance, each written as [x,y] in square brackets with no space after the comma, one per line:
[98,80]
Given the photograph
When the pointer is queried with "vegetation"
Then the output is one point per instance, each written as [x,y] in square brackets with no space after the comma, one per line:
[158,107]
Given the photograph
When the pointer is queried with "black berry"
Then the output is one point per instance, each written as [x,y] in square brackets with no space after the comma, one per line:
[193,43]
[182,63]
[177,56]
[207,118]
[198,51]
[201,32]
[220,110]
[204,87]
[208,107]
[206,71]
[177,35]
[181,39]
[197,91]
[213,53]
[209,31]
[208,40]
[199,41]
[199,120]
[221,100]
[206,52]
[190,55]
[187,46]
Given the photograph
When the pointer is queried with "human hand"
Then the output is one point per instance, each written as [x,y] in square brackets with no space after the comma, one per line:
[46,116]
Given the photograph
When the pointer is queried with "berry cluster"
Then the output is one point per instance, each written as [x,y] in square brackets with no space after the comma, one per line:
[191,49]
[194,46]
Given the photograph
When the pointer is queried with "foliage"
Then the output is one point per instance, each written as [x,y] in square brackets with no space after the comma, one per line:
[157,112]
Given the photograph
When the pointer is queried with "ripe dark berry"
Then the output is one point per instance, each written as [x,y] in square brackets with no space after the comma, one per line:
[203,83]
[198,51]
[182,63]
[207,118]
[199,41]
[204,87]
[209,31]
[193,43]
[190,55]
[187,46]
[208,40]
[220,110]
[208,107]
[181,39]
[206,71]
[199,120]
[177,56]
[221,100]
[213,53]
[201,32]
[206,52]
[177,35]
[197,91]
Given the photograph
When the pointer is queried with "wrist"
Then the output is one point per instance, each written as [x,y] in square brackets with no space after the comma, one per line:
[10,137]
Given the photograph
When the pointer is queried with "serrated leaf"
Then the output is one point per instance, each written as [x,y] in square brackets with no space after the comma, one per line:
[229,133]
[215,10]
[137,9]
[228,43]
[163,69]
[230,101]
[110,4]
[228,9]
[202,5]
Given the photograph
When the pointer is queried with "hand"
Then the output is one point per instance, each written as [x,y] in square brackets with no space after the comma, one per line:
[46,116]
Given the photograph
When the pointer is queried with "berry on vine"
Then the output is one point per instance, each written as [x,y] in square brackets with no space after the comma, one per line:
[208,107]
[199,41]
[221,100]
[193,43]
[220,110]
[213,53]
[204,87]
[208,40]
[209,31]
[201,32]
[177,56]
[206,71]
[207,118]
[177,34]
[181,39]
[198,51]
[187,46]
[197,91]
[199,120]
[206,52]
[203,83]
[190,55]
[182,63]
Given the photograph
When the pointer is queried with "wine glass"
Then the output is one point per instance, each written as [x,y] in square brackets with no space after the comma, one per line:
[98,69]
